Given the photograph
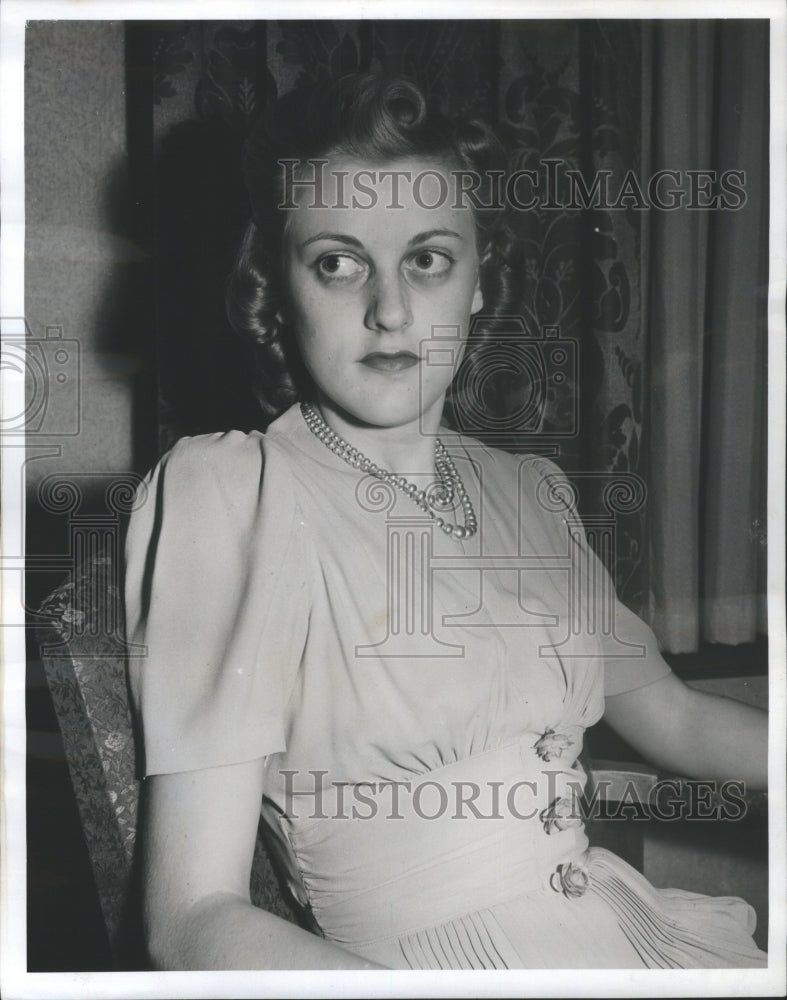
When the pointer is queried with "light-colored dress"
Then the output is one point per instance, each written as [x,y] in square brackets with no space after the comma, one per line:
[420,701]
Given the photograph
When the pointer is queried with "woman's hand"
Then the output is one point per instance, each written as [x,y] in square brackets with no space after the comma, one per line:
[198,843]
[693,733]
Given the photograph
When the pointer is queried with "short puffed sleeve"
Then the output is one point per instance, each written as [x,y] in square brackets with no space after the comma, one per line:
[630,649]
[216,603]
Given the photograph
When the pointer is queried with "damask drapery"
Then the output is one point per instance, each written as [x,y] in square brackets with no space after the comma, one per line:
[659,377]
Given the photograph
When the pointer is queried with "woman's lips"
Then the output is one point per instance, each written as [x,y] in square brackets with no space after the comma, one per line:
[398,362]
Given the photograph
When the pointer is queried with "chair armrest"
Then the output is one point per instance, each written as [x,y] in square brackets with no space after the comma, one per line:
[623,782]
[618,781]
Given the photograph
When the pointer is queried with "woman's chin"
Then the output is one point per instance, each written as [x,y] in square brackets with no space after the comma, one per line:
[380,418]
[382,412]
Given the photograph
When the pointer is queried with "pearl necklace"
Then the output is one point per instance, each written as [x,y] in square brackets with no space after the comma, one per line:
[440,499]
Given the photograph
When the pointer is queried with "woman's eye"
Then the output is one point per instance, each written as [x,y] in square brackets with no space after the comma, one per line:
[338,267]
[429,264]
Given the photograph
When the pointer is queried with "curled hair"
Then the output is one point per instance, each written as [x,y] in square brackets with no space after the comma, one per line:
[367,117]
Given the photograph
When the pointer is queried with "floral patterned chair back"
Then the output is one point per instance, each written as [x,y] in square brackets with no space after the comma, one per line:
[83,650]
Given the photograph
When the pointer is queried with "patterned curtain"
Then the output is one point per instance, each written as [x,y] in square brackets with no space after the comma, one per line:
[567,96]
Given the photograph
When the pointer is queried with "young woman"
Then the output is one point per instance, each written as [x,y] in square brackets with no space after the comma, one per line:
[379,631]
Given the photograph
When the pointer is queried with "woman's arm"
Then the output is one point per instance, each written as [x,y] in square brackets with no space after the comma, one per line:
[689,732]
[198,844]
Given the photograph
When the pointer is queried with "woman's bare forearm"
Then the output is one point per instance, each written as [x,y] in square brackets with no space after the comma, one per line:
[727,739]
[225,931]
[690,732]
[198,845]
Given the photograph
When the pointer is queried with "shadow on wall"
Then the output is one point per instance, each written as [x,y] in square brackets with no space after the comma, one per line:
[118,350]
[205,372]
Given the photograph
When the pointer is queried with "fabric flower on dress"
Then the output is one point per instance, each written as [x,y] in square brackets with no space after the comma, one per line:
[572,879]
[552,744]
[563,814]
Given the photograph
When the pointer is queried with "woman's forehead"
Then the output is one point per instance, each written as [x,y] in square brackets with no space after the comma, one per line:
[404,196]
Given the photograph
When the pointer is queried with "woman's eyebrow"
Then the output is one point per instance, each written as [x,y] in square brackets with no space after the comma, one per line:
[352,241]
[431,233]
[337,237]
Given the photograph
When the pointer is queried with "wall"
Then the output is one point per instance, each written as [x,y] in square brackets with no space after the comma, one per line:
[76,250]
[83,274]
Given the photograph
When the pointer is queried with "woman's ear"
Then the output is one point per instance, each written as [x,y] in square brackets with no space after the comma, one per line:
[478,296]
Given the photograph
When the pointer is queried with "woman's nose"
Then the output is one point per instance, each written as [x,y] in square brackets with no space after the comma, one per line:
[389,305]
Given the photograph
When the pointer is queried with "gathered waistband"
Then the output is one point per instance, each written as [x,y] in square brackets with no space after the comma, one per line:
[378,861]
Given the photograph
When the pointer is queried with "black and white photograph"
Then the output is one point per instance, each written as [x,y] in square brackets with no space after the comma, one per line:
[393,424]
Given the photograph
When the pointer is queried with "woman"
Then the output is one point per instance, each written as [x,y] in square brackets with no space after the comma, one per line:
[333,629]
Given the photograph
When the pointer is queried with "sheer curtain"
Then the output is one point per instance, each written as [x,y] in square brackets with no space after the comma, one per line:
[705,106]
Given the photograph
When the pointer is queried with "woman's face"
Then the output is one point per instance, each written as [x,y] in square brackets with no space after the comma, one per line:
[381,287]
